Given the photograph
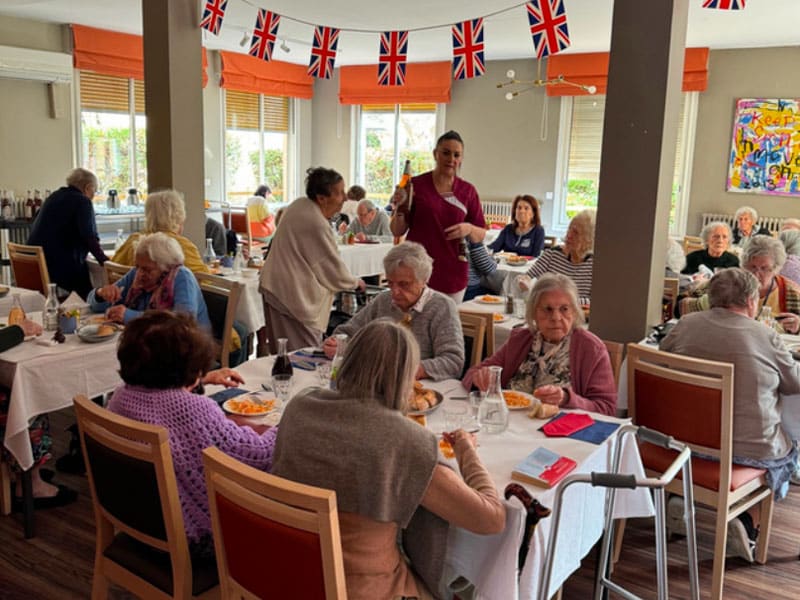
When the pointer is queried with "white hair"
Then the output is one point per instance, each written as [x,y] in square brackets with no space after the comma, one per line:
[163,250]
[708,229]
[746,209]
[411,255]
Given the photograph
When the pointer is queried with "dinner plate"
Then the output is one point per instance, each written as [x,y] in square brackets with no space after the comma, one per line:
[4,289]
[245,406]
[88,333]
[368,242]
[427,411]
[488,299]
[522,396]
[500,318]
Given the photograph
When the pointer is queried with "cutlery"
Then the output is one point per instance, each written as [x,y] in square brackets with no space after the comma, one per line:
[304,365]
[266,387]
[458,398]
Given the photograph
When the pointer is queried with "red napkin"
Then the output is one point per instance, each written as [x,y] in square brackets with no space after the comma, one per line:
[567,425]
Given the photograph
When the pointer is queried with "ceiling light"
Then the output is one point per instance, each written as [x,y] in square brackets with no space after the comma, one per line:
[245,39]
[539,82]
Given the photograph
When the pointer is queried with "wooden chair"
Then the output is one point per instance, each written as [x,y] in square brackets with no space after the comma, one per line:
[692,400]
[488,339]
[692,243]
[615,352]
[6,488]
[550,241]
[222,298]
[274,538]
[670,295]
[473,327]
[29,267]
[115,271]
[141,540]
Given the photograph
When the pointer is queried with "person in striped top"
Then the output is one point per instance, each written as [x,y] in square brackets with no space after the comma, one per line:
[573,259]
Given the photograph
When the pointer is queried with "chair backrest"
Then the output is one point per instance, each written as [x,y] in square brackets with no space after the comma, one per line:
[29,267]
[550,241]
[274,538]
[222,298]
[692,243]
[238,221]
[473,327]
[670,297]
[688,398]
[133,486]
[115,271]
[615,352]
[488,338]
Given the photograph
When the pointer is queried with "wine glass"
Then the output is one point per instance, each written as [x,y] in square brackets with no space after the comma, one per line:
[282,384]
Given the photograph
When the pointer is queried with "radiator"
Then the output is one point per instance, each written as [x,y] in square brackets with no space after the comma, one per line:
[771,223]
[496,211]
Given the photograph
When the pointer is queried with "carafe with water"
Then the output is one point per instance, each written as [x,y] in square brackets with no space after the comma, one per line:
[493,411]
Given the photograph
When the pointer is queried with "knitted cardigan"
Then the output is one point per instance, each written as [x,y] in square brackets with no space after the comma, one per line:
[194,423]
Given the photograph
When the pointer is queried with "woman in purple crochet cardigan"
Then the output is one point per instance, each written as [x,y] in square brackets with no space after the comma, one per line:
[163,356]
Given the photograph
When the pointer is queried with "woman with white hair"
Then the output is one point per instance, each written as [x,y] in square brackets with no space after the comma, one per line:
[158,281]
[164,212]
[431,316]
[717,239]
[746,219]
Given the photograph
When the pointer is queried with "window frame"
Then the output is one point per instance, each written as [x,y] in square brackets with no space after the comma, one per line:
[560,221]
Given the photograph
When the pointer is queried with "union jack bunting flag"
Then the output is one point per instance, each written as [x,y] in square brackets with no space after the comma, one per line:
[468,49]
[213,13]
[264,34]
[392,59]
[323,52]
[548,21]
[724,4]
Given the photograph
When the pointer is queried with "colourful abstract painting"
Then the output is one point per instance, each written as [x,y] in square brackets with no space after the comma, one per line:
[765,150]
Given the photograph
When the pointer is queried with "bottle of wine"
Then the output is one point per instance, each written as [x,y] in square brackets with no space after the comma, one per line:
[404,184]
[29,206]
[282,366]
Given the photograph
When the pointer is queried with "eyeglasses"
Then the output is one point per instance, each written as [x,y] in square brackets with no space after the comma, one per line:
[766,270]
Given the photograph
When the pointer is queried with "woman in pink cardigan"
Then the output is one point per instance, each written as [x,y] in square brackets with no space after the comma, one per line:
[557,362]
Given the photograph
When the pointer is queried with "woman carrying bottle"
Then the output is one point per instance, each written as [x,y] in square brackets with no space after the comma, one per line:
[525,234]
[441,212]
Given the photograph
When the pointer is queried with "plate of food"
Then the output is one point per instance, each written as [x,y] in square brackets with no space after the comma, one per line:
[489,299]
[446,449]
[500,318]
[250,405]
[98,332]
[518,400]
[4,289]
[517,261]
[424,401]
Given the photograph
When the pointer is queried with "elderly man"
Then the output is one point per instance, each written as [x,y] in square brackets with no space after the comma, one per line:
[430,315]
[764,371]
[370,222]
[66,229]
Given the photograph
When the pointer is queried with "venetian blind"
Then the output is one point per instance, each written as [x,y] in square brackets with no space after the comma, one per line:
[241,111]
[404,108]
[108,93]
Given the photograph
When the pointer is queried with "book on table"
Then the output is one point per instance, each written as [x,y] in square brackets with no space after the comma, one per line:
[543,467]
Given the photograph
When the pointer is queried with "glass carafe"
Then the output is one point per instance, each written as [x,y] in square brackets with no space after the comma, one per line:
[238,261]
[209,256]
[341,346]
[17,314]
[765,316]
[493,411]
[119,240]
[51,309]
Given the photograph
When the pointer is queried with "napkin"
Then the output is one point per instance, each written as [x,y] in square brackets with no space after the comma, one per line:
[74,302]
[596,433]
[567,425]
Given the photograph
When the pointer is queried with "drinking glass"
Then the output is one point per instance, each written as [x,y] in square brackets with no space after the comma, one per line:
[475,399]
[324,374]
[282,384]
[455,417]
[519,308]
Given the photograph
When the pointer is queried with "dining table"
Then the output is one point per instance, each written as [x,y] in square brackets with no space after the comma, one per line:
[31,300]
[490,562]
[504,325]
[363,259]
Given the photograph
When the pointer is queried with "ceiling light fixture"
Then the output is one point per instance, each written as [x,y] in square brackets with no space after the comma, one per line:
[245,39]
[285,47]
[539,82]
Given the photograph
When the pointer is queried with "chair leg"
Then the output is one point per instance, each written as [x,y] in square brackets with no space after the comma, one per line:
[6,489]
[619,532]
[720,545]
[765,527]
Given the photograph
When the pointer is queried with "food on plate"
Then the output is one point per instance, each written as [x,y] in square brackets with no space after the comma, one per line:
[422,399]
[105,330]
[517,261]
[421,419]
[516,399]
[247,406]
[498,318]
[446,449]
[491,299]
[543,411]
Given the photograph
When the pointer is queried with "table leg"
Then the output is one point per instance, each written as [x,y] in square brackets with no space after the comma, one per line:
[27,503]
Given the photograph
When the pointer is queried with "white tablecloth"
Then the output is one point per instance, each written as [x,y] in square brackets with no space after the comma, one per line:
[501,330]
[43,379]
[490,562]
[364,259]
[31,301]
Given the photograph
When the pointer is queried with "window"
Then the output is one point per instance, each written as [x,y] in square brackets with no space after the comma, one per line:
[256,144]
[387,136]
[580,141]
[113,131]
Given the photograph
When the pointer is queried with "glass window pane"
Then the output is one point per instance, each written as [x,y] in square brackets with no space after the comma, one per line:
[107,149]
[377,139]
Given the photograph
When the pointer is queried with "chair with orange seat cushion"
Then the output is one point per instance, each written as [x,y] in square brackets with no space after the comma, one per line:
[29,267]
[691,399]
[274,538]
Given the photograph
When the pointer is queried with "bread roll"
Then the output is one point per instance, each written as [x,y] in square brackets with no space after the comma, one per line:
[105,330]
[543,411]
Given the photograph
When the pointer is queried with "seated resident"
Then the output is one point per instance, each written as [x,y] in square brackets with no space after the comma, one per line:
[746,219]
[370,223]
[553,358]
[430,315]
[262,223]
[717,239]
[525,234]
[362,425]
[484,277]
[163,355]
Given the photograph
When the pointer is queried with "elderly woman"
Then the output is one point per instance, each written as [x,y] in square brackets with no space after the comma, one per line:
[362,425]
[790,238]
[158,281]
[303,269]
[573,259]
[525,234]
[370,223]
[716,237]
[162,357]
[554,358]
[164,212]
[442,212]
[746,218]
[764,257]
[431,316]
[764,371]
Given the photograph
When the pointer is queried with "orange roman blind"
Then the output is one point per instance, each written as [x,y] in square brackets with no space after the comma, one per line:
[425,83]
[592,69]
[245,73]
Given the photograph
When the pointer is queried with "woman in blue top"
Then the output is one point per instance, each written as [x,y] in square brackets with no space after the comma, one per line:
[525,234]
[158,281]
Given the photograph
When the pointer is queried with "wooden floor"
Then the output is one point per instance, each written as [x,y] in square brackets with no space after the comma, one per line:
[57,563]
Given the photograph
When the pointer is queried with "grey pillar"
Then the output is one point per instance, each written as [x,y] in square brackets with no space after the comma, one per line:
[639,136]
[174,105]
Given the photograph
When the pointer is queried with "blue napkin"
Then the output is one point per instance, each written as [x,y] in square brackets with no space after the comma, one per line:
[594,434]
[221,396]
